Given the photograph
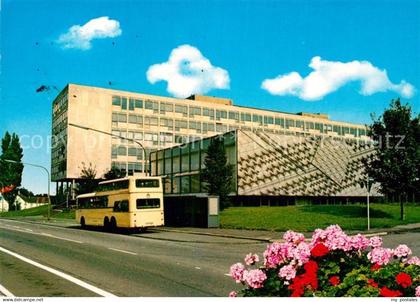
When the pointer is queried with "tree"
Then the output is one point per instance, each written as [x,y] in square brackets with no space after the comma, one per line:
[25,192]
[395,164]
[114,173]
[11,173]
[88,182]
[217,173]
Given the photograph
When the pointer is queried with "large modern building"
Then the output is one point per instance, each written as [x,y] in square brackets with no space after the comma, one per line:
[158,123]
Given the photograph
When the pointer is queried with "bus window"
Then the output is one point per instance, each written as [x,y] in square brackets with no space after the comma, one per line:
[148,203]
[116,185]
[147,183]
[93,202]
[121,206]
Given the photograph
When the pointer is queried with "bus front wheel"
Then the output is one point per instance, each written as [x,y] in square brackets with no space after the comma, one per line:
[83,223]
[106,223]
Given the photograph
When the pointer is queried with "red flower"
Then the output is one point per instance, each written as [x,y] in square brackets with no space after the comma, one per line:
[372,283]
[386,292]
[403,279]
[311,266]
[319,250]
[334,280]
[375,267]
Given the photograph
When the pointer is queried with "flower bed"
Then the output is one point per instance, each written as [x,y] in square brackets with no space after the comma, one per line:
[332,264]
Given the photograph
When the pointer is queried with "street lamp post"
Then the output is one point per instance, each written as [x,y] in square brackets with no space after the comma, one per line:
[368,187]
[49,181]
[117,136]
[2,202]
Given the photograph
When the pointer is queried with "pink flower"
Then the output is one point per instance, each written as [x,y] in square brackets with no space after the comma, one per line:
[414,260]
[237,272]
[275,254]
[293,237]
[375,242]
[255,278]
[402,251]
[250,259]
[359,242]
[300,254]
[233,294]
[380,255]
[418,291]
[333,238]
[287,272]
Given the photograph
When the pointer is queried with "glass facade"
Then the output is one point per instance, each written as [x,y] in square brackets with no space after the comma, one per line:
[181,166]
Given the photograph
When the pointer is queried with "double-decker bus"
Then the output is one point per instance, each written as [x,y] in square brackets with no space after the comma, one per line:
[131,202]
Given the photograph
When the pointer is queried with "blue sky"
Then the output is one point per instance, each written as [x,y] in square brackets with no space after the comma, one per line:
[245,43]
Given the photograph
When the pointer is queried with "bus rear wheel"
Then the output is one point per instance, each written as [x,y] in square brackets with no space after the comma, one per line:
[83,223]
[113,224]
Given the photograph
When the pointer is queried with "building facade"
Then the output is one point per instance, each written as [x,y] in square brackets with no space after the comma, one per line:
[271,165]
[157,123]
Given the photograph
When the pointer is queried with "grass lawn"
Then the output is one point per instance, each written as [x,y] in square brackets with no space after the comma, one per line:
[39,211]
[308,218]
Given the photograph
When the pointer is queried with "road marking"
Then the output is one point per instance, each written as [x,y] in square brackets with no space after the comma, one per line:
[29,231]
[122,251]
[62,238]
[81,283]
[5,291]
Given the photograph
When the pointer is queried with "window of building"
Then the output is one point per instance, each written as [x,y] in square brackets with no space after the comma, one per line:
[195,111]
[122,150]
[310,125]
[221,114]
[256,118]
[152,105]
[115,117]
[131,104]
[166,122]
[181,124]
[208,112]
[300,124]
[268,120]
[234,115]
[138,104]
[166,137]
[135,119]
[245,117]
[319,126]
[116,101]
[279,121]
[124,103]
[290,123]
[166,107]
[220,127]
[181,109]
[114,151]
[151,121]
[121,117]
[132,151]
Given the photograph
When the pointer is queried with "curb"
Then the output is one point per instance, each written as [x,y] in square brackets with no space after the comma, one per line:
[214,235]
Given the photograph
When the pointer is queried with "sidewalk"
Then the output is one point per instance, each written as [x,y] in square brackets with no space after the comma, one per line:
[258,235]
[270,236]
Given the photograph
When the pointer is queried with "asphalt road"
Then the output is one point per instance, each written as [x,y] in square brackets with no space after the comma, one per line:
[150,264]
[137,265]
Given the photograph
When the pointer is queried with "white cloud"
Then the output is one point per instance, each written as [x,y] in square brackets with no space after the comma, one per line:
[329,76]
[80,37]
[188,72]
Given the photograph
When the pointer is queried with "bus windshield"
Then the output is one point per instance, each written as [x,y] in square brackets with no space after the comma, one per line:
[147,183]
